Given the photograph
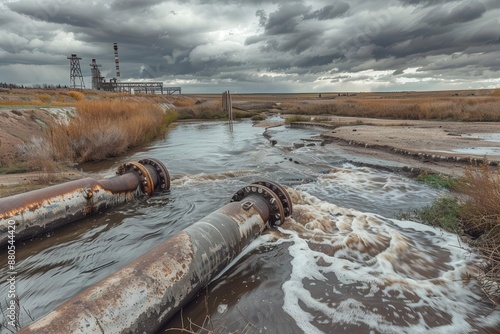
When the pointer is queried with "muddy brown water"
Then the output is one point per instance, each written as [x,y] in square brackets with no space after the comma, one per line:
[341,264]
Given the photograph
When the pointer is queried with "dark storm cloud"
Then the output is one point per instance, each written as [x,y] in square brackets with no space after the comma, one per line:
[293,42]
[134,4]
[247,42]
[462,13]
[313,61]
[422,36]
[329,12]
[76,15]
[261,14]
[426,2]
[286,18]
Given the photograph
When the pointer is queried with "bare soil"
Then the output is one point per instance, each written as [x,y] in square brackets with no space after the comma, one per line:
[438,146]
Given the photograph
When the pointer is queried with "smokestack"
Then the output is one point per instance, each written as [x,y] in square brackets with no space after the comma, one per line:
[117,62]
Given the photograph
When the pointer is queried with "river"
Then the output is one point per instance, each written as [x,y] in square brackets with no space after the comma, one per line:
[341,264]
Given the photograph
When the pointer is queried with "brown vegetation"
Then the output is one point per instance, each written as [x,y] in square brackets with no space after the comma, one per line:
[106,128]
[470,108]
[209,109]
[77,96]
[480,217]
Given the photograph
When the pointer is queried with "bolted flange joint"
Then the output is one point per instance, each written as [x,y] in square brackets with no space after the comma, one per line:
[152,173]
[147,185]
[282,194]
[278,200]
[161,172]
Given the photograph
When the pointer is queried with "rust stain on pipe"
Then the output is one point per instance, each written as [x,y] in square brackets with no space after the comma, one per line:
[142,296]
[135,298]
[40,210]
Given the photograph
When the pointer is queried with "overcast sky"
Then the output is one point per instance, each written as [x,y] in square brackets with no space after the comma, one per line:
[257,46]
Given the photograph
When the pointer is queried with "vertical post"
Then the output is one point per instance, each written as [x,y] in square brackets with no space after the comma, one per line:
[227,104]
[230,106]
[224,108]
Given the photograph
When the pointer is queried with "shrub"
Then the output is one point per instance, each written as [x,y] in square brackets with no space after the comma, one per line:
[77,96]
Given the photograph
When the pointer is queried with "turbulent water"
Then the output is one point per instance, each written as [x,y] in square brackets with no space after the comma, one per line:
[340,264]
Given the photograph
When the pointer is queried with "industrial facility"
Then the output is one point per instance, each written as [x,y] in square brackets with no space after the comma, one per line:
[114,84]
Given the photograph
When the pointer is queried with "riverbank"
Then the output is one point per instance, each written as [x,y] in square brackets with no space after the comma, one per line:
[436,146]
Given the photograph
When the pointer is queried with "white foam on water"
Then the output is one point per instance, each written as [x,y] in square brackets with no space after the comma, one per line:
[363,271]
[373,189]
[195,179]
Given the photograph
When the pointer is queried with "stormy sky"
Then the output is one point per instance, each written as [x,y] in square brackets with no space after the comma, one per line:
[252,46]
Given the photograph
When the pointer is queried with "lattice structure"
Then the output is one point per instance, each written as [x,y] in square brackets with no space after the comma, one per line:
[75,73]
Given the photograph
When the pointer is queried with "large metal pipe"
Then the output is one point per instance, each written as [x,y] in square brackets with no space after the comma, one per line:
[44,209]
[145,294]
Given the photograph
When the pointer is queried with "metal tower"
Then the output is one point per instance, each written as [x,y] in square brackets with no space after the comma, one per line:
[75,72]
[117,63]
[96,75]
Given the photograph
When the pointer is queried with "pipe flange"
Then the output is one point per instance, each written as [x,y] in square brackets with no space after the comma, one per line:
[276,210]
[282,194]
[161,171]
[146,181]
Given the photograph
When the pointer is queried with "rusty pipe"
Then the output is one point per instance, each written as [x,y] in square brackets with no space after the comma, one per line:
[44,209]
[145,294]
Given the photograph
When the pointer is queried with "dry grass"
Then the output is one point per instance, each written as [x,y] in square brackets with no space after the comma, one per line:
[44,98]
[77,96]
[180,103]
[480,217]
[209,109]
[469,108]
[106,129]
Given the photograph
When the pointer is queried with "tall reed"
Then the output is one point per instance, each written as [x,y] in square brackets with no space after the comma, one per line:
[105,129]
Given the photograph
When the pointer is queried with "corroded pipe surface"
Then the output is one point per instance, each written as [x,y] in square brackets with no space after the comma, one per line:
[44,209]
[145,294]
